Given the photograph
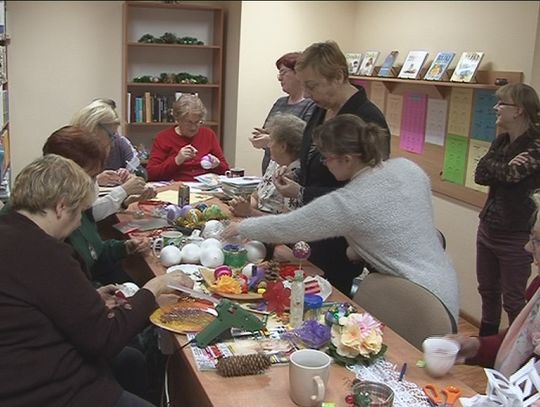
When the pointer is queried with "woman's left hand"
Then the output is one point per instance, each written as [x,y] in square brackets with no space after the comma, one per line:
[520,159]
[287,187]
[148,193]
[239,206]
[137,245]
[213,160]
[111,299]
[230,231]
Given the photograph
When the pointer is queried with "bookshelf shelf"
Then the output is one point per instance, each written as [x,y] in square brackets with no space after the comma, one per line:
[206,24]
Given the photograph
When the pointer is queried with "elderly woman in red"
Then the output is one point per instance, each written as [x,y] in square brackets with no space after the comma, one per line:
[178,152]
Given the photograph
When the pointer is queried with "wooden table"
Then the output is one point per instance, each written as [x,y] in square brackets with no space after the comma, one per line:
[190,387]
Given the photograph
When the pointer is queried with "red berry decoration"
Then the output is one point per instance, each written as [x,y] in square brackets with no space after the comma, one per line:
[349,399]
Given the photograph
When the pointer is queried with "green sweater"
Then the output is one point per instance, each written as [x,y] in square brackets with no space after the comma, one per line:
[94,252]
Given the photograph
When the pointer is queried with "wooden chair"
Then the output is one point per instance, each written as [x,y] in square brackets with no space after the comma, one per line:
[409,309]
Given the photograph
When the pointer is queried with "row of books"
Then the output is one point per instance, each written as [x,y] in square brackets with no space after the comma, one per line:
[464,72]
[151,108]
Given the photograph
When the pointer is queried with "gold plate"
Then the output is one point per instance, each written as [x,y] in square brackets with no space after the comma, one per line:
[187,315]
[209,279]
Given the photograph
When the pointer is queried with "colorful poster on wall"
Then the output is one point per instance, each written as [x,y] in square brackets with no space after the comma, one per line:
[477,149]
[394,107]
[413,123]
[455,158]
[378,95]
[437,110]
[459,116]
[483,123]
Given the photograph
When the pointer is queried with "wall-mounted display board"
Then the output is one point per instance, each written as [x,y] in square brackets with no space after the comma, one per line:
[445,127]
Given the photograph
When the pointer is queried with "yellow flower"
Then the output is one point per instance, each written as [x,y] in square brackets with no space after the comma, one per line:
[357,334]
[372,344]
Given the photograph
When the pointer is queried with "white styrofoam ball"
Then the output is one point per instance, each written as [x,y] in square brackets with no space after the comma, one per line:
[212,228]
[248,270]
[191,253]
[212,257]
[206,163]
[256,251]
[170,255]
[210,242]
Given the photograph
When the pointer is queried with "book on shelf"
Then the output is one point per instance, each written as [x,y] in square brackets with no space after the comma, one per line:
[439,66]
[368,63]
[353,62]
[412,65]
[467,66]
[388,64]
[3,65]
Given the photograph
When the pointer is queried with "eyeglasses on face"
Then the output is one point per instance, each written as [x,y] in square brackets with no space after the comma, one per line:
[110,133]
[197,123]
[329,157]
[500,103]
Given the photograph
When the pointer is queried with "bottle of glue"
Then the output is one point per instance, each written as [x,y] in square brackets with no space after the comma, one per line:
[297,300]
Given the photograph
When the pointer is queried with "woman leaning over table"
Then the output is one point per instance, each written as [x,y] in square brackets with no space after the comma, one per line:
[57,333]
[101,121]
[511,169]
[509,350]
[294,103]
[323,70]
[285,143]
[384,212]
[177,151]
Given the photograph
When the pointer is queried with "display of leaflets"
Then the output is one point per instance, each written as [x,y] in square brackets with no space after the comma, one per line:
[388,64]
[467,66]
[353,62]
[368,63]
[439,66]
[412,65]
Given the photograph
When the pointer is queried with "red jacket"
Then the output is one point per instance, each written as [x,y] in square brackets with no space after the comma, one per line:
[489,345]
[162,167]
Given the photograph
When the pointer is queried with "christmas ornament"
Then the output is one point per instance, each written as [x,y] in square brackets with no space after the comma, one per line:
[243,365]
[301,250]
[277,297]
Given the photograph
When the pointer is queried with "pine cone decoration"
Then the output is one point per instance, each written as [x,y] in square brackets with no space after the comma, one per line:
[243,365]
[272,270]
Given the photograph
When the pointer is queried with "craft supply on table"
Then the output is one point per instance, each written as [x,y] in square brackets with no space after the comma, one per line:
[442,397]
[312,307]
[297,300]
[367,393]
[243,365]
[235,255]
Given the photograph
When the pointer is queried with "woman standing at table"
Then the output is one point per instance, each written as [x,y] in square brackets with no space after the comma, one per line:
[323,70]
[384,211]
[58,333]
[511,169]
[294,103]
[177,152]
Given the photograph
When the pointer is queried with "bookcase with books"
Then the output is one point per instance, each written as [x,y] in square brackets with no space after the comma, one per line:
[444,126]
[170,49]
[5,156]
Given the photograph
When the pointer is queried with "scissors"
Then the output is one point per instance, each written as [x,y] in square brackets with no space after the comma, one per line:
[452,393]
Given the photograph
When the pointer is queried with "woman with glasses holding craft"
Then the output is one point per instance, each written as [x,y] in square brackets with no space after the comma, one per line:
[188,149]
[511,169]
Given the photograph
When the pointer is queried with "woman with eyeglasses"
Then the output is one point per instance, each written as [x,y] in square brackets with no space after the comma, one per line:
[177,152]
[101,121]
[511,169]
[509,350]
[384,212]
[294,103]
[323,71]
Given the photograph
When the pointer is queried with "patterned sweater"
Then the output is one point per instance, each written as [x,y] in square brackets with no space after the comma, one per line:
[385,214]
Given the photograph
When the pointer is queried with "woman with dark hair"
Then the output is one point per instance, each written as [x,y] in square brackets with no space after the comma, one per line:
[384,212]
[294,103]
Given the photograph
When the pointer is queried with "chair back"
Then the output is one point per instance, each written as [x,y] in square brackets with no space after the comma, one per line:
[409,309]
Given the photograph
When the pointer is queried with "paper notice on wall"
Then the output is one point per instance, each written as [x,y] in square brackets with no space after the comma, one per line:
[378,95]
[413,123]
[455,159]
[437,110]
[394,107]
[484,116]
[477,149]
[459,117]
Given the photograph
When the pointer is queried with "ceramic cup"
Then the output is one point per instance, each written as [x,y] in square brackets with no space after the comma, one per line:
[308,376]
[235,173]
[440,355]
[167,238]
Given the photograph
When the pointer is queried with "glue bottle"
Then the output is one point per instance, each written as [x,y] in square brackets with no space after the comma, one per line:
[297,300]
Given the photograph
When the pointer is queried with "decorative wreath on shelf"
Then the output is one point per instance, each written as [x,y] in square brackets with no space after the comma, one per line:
[169,38]
[182,77]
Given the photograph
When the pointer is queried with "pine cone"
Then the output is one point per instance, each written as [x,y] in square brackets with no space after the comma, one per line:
[243,365]
[272,270]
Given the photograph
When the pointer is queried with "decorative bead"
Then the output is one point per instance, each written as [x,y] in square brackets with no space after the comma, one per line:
[349,399]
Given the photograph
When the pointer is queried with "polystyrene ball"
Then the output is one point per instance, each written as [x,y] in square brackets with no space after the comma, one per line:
[206,163]
[212,257]
[170,255]
[213,228]
[248,270]
[210,242]
[256,251]
[191,253]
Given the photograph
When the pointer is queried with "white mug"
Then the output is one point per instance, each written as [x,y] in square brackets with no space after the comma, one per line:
[439,354]
[308,376]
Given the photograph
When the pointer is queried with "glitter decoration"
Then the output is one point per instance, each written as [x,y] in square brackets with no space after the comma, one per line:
[301,250]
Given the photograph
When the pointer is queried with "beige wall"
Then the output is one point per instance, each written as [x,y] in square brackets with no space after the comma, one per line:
[64,54]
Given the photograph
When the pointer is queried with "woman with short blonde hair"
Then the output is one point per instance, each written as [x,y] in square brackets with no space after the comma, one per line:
[188,104]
